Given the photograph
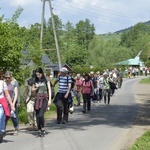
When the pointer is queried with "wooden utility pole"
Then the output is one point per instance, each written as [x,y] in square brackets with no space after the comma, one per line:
[54,29]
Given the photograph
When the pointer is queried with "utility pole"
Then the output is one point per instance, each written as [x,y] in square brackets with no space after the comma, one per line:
[54,30]
[42,22]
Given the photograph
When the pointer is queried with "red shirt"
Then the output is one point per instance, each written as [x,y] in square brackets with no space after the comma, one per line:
[86,87]
[78,83]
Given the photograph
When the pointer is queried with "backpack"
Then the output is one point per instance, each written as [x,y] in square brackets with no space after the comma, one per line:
[31,81]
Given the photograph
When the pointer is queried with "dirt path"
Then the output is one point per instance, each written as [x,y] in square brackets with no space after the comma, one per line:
[142,122]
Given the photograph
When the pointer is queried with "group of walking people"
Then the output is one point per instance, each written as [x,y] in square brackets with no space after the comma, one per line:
[95,87]
[38,91]
[38,95]
[89,87]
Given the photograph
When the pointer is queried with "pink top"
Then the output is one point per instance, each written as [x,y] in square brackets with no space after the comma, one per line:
[87,87]
[78,83]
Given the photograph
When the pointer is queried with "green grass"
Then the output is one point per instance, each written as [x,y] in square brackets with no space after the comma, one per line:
[145,81]
[143,143]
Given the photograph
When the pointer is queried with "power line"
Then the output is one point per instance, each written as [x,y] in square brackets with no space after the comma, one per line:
[91,7]
[95,15]
[96,12]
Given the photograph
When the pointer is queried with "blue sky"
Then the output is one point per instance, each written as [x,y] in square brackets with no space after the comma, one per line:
[106,15]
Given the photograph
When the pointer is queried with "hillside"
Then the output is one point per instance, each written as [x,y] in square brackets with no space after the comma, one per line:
[124,30]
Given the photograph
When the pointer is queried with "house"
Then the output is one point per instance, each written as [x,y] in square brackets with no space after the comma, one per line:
[56,69]
[47,63]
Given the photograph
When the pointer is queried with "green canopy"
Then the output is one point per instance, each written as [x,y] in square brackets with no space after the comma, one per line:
[130,62]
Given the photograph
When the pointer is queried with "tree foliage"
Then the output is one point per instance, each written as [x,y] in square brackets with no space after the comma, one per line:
[84,32]
[79,46]
[10,48]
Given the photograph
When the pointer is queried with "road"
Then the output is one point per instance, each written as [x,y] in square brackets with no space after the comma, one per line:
[100,129]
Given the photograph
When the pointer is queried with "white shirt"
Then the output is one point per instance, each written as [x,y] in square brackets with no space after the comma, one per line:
[3,87]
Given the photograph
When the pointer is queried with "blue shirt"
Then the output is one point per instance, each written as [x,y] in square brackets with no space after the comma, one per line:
[63,83]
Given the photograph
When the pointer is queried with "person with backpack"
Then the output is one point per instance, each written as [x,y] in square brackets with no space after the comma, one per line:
[95,85]
[42,99]
[29,100]
[87,92]
[72,93]
[63,95]
[12,85]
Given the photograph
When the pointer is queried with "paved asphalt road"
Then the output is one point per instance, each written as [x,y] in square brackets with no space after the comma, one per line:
[98,130]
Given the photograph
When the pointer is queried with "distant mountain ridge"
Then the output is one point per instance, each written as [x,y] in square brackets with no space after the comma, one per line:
[124,30]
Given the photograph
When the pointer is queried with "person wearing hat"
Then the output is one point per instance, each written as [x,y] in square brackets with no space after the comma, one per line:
[64,88]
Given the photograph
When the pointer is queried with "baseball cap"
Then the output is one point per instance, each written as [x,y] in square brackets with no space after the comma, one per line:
[105,73]
[64,70]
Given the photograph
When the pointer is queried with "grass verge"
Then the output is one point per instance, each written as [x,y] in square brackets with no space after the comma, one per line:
[143,143]
[145,81]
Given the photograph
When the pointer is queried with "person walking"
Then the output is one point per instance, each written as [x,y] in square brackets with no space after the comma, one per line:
[42,100]
[112,84]
[72,93]
[106,89]
[94,79]
[78,87]
[29,99]
[12,85]
[5,101]
[120,78]
[87,92]
[100,86]
[64,88]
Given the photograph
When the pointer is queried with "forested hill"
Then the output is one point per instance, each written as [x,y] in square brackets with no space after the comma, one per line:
[124,30]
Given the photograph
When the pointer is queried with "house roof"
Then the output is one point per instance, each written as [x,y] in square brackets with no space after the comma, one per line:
[63,65]
[45,59]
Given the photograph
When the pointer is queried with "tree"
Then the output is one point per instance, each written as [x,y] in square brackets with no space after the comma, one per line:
[68,34]
[10,48]
[48,37]
[74,55]
[105,53]
[17,14]
[84,33]
[133,38]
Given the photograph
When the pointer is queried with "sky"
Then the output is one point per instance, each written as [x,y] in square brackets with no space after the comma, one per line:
[106,15]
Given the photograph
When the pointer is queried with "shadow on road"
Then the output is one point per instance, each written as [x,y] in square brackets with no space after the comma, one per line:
[113,115]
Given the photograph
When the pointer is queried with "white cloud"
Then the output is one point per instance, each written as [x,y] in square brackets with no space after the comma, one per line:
[23,2]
